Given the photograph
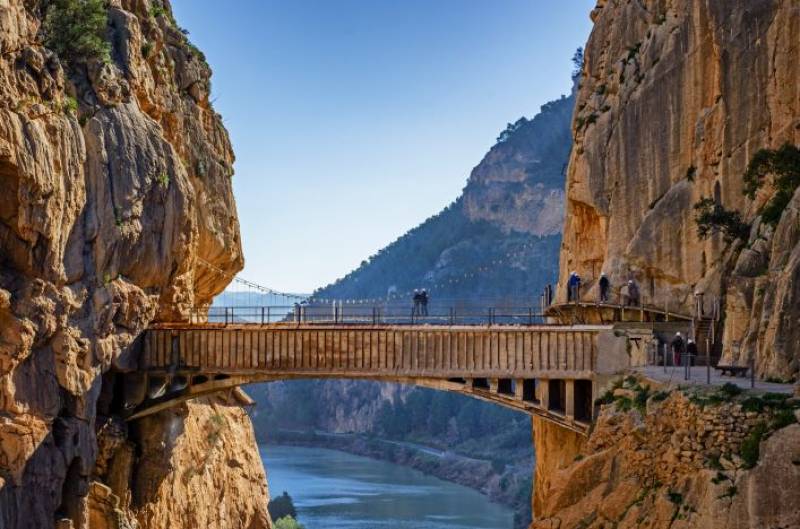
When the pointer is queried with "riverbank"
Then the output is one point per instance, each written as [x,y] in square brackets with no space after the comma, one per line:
[509,486]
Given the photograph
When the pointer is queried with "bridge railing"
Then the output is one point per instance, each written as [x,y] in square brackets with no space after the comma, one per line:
[362,314]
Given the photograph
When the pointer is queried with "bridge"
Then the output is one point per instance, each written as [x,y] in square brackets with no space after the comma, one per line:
[554,371]
[524,358]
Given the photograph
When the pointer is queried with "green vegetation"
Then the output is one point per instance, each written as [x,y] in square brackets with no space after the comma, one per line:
[76,30]
[751,445]
[69,106]
[712,218]
[287,522]
[163,179]
[282,507]
[784,165]
[147,49]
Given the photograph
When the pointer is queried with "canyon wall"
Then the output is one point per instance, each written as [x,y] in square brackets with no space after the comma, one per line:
[676,99]
[116,191]
[679,459]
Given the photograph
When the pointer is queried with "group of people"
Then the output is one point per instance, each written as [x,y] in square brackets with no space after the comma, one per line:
[420,303]
[679,348]
[630,291]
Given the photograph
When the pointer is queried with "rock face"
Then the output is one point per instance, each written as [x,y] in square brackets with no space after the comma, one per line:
[115,180]
[679,462]
[677,96]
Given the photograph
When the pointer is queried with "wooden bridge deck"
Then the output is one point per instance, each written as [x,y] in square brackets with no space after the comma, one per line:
[424,351]
[550,370]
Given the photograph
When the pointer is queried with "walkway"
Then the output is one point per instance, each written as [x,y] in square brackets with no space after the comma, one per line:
[675,376]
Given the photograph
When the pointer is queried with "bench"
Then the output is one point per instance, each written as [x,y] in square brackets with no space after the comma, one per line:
[734,371]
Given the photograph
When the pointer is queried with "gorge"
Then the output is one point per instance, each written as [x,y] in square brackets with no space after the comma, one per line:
[117,179]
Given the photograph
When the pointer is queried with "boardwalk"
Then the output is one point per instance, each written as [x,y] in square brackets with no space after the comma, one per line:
[551,370]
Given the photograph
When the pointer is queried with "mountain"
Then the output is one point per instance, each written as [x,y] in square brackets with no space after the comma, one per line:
[498,241]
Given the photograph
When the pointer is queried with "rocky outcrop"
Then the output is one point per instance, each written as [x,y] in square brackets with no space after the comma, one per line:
[518,186]
[677,97]
[678,460]
[116,189]
[200,451]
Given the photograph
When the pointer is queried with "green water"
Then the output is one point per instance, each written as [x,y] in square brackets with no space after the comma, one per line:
[335,490]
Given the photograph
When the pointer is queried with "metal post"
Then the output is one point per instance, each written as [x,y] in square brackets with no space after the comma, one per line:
[226,315]
[262,315]
[664,350]
[708,362]
[530,316]
[752,373]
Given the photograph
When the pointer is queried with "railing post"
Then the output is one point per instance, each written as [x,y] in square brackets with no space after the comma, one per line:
[262,315]
[664,354]
[752,373]
[530,315]
[226,315]
[708,362]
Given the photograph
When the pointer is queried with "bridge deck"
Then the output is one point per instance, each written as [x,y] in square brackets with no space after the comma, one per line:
[375,350]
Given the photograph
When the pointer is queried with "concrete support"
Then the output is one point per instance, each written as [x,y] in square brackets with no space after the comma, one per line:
[569,404]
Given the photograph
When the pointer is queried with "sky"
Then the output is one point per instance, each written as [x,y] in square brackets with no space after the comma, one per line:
[353,121]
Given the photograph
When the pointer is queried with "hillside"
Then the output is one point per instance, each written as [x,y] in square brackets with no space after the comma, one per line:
[498,241]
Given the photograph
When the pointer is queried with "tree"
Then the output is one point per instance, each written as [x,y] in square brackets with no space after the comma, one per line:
[712,218]
[784,165]
[281,507]
[76,30]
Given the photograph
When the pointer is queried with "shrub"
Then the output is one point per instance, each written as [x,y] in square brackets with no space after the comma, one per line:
[163,179]
[76,30]
[784,165]
[147,49]
[730,390]
[713,218]
[287,522]
[69,106]
[751,445]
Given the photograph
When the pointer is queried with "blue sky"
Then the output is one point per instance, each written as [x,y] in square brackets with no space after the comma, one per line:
[355,120]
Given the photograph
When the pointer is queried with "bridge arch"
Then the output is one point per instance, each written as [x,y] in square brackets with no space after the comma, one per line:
[539,369]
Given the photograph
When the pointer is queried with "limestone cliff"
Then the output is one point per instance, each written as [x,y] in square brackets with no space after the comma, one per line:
[677,97]
[678,459]
[115,176]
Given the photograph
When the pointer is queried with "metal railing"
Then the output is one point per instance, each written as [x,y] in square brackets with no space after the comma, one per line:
[362,314]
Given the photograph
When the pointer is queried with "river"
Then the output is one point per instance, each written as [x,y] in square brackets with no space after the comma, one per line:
[336,490]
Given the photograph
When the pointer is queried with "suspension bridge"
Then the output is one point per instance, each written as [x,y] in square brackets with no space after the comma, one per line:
[501,351]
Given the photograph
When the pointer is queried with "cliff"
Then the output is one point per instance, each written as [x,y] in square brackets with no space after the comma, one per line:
[677,99]
[677,459]
[116,179]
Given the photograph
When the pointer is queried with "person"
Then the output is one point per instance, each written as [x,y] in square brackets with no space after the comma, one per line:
[417,300]
[678,348]
[633,293]
[423,300]
[573,287]
[605,287]
[691,350]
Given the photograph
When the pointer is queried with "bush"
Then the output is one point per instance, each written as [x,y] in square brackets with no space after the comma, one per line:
[70,106]
[751,445]
[713,218]
[76,30]
[784,165]
[282,507]
[287,522]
